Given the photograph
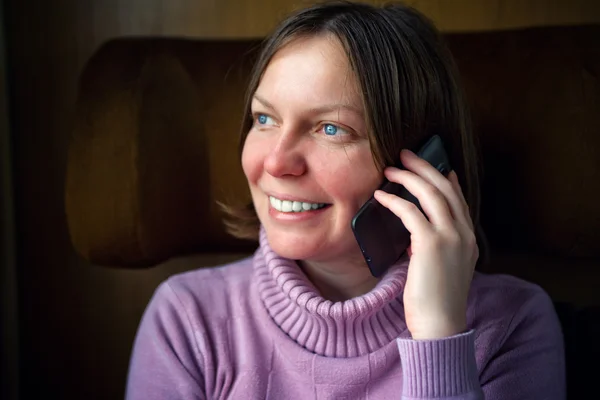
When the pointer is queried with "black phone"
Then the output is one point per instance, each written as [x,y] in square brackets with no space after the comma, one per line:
[381,235]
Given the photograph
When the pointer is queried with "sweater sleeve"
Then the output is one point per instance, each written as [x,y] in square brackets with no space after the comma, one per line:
[526,360]
[440,369]
[166,360]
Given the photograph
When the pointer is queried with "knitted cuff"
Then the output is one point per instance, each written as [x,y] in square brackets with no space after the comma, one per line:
[442,368]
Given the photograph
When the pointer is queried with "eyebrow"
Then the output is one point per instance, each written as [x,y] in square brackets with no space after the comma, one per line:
[318,110]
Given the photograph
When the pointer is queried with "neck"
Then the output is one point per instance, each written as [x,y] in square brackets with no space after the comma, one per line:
[337,282]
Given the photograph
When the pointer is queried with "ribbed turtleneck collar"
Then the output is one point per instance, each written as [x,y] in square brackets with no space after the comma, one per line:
[349,328]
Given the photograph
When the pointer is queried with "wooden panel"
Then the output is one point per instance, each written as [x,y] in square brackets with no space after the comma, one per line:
[9,328]
[535,96]
[253,19]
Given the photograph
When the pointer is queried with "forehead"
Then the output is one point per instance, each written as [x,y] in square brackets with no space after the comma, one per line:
[316,66]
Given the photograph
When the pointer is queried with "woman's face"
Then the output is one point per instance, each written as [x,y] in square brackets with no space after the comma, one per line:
[307,157]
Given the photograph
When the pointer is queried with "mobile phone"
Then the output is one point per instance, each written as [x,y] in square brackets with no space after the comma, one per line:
[381,235]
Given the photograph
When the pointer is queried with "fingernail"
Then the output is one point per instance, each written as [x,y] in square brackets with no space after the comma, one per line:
[407,151]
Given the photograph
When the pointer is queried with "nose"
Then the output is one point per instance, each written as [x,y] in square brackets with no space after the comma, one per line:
[286,157]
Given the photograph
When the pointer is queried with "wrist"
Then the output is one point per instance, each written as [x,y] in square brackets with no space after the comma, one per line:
[438,330]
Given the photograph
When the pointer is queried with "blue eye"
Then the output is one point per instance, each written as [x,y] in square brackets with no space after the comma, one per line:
[330,130]
[334,130]
[263,119]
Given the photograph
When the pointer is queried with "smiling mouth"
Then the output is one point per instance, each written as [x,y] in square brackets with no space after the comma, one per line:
[288,206]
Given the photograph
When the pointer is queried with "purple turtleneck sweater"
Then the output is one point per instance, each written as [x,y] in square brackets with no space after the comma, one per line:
[258,329]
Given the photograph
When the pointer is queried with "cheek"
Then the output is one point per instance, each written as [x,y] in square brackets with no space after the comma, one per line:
[353,183]
[252,159]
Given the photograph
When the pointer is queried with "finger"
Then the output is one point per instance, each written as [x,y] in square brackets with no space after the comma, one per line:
[412,218]
[453,177]
[432,201]
[434,177]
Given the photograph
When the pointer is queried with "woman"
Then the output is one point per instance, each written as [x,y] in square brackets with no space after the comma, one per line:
[339,92]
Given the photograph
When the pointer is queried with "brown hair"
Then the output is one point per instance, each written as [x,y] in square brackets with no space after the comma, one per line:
[408,81]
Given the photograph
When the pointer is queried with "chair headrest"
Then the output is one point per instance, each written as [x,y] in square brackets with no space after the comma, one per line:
[146,157]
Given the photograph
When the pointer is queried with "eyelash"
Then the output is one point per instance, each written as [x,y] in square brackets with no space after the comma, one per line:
[257,116]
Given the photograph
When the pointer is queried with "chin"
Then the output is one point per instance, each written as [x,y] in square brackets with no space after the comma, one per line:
[310,246]
[293,247]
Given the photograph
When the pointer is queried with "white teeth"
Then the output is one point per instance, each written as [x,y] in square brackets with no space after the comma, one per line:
[293,206]
[276,203]
[286,206]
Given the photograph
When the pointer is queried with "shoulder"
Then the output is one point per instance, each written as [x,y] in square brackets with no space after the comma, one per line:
[196,307]
[200,299]
[508,312]
[211,280]
[207,290]
[503,296]
[181,335]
